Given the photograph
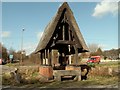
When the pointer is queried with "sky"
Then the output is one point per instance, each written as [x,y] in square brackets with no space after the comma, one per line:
[98,23]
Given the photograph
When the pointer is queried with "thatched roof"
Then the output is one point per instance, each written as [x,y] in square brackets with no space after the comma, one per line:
[49,30]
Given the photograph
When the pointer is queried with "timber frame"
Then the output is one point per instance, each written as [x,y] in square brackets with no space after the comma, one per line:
[61,34]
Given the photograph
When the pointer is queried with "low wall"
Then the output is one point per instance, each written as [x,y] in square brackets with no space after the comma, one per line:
[104,71]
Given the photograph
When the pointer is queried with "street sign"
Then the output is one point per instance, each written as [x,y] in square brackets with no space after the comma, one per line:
[11,56]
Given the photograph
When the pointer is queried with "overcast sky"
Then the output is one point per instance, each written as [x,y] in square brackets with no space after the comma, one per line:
[98,22]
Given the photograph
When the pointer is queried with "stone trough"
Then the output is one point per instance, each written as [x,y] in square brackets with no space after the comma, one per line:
[60,74]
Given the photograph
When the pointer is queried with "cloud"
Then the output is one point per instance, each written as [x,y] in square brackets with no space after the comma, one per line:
[5,34]
[39,35]
[105,7]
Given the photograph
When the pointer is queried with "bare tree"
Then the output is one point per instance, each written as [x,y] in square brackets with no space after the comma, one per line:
[93,47]
[11,50]
[18,55]
[0,47]
[4,52]
[99,51]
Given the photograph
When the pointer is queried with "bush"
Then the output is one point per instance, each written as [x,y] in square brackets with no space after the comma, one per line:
[91,64]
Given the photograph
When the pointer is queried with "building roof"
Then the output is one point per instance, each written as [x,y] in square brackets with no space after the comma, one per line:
[50,28]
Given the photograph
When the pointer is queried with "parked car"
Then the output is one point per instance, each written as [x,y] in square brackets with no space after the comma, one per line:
[2,61]
[94,59]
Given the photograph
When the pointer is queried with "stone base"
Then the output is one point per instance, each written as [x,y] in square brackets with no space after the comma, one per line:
[58,74]
[46,72]
[76,68]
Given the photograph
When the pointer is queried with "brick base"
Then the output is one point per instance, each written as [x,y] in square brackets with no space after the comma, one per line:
[46,72]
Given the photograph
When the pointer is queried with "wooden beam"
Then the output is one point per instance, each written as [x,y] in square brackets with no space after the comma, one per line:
[65,42]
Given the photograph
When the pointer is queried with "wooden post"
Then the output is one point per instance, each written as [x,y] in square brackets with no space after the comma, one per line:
[41,58]
[63,32]
[69,55]
[48,56]
[76,54]
[64,59]
[69,32]
[45,56]
[69,59]
[52,57]
[63,28]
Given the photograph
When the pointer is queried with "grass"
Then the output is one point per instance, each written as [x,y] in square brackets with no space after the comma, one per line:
[10,64]
[109,64]
[104,80]
[98,80]
[79,84]
[91,81]
[35,74]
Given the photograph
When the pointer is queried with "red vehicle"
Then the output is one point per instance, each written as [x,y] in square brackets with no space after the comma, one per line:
[0,61]
[94,59]
[0,58]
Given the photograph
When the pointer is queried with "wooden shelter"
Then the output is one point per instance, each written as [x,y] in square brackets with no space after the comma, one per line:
[63,37]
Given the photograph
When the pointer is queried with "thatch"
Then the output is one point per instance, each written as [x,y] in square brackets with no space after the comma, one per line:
[49,30]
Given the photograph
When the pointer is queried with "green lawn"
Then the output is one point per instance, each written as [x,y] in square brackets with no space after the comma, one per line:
[95,80]
[92,81]
[110,64]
